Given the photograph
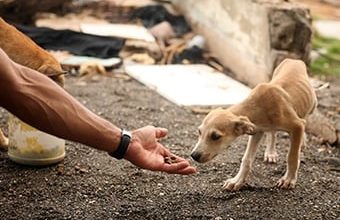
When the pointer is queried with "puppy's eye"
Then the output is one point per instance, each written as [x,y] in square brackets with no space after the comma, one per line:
[215,136]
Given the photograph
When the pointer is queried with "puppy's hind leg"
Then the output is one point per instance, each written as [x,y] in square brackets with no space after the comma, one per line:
[270,154]
[3,141]
[293,160]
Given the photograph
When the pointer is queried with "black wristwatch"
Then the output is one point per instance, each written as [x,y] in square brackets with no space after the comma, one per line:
[125,139]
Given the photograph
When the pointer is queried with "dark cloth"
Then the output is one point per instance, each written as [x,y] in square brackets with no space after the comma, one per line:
[193,55]
[154,14]
[75,42]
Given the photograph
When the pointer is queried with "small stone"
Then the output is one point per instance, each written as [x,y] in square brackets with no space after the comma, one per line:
[83,170]
[60,169]
[80,169]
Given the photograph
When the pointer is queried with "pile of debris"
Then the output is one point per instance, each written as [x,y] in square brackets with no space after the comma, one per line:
[98,40]
[150,34]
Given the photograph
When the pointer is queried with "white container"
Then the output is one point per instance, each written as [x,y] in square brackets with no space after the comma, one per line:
[30,146]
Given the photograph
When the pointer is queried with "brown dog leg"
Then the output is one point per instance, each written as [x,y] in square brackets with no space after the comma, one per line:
[3,141]
[270,154]
[293,160]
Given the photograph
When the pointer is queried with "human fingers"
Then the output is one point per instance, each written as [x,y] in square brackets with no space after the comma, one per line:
[186,171]
[161,132]
[174,167]
[173,159]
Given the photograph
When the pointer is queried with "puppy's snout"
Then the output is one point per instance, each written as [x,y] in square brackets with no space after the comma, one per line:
[196,156]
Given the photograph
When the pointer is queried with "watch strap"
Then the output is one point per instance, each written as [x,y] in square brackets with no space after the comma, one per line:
[125,139]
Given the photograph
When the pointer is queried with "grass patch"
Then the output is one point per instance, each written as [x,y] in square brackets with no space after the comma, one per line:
[328,63]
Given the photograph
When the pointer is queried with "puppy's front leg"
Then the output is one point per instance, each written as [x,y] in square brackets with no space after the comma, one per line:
[238,181]
[3,141]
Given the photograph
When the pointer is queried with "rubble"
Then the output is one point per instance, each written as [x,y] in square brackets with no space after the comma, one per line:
[208,87]
[253,36]
[76,61]
[70,21]
[152,15]
[320,126]
[126,31]
[75,42]
[163,31]
[24,11]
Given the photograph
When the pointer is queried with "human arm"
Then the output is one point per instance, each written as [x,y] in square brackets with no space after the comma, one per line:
[40,102]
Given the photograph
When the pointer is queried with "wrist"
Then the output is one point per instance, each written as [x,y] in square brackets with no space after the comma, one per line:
[131,151]
[123,145]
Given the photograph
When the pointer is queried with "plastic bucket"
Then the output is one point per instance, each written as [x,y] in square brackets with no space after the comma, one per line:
[30,146]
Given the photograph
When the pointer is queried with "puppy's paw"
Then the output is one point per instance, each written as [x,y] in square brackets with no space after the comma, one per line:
[271,157]
[233,184]
[4,143]
[286,182]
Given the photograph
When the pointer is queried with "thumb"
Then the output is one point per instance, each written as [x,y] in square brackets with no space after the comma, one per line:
[161,132]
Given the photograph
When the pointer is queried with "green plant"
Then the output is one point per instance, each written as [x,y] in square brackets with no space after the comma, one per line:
[328,61]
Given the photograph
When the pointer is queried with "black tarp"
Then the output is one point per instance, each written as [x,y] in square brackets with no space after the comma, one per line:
[75,42]
[154,14]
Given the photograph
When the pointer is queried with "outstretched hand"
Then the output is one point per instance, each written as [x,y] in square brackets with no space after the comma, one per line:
[146,152]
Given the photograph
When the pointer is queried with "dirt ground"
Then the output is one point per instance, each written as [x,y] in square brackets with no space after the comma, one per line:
[89,184]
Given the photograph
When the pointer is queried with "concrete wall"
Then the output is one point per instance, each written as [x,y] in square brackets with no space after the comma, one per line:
[249,36]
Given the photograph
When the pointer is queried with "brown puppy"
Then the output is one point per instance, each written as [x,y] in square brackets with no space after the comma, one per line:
[24,51]
[280,105]
[21,49]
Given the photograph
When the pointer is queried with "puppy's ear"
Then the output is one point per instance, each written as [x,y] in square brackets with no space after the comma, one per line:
[244,126]
[51,71]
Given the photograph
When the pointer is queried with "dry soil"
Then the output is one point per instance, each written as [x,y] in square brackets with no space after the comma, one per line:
[89,184]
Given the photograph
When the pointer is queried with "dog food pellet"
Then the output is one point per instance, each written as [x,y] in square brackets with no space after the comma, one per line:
[167,160]
[170,160]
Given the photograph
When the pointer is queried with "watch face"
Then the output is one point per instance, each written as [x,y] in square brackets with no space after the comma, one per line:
[125,132]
